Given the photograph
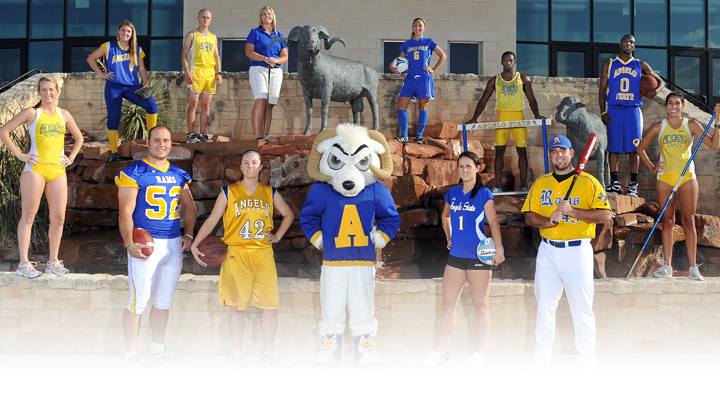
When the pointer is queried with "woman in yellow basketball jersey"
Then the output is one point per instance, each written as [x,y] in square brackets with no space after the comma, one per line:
[45,164]
[248,277]
[675,135]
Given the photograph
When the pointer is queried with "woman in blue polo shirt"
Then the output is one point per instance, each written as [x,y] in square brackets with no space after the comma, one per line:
[264,67]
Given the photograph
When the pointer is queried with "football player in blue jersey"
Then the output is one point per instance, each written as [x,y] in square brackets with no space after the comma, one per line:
[149,193]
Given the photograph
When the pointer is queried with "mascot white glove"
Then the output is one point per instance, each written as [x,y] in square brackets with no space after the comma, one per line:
[377,238]
[318,243]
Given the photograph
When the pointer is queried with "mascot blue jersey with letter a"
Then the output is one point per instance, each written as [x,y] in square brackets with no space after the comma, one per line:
[340,216]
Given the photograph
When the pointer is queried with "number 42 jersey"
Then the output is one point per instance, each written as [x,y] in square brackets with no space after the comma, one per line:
[248,216]
[157,204]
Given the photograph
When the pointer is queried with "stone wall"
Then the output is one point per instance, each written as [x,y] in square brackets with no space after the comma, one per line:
[83,313]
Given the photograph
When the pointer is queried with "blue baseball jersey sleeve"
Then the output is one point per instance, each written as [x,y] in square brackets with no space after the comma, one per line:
[467,217]
[157,205]
[346,222]
[418,53]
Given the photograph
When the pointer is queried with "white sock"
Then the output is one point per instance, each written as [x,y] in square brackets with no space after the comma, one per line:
[128,356]
[157,348]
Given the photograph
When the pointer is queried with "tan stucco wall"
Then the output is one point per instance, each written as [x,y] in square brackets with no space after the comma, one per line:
[365,24]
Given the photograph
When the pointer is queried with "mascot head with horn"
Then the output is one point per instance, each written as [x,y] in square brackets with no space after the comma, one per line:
[350,158]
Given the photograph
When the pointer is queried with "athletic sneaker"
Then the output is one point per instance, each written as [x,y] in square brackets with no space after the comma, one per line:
[330,350]
[477,362]
[56,267]
[632,189]
[165,358]
[237,360]
[497,189]
[419,140]
[114,157]
[402,139]
[524,189]
[193,138]
[132,365]
[204,138]
[435,358]
[536,366]
[614,188]
[365,352]
[663,272]
[694,273]
[274,359]
[28,270]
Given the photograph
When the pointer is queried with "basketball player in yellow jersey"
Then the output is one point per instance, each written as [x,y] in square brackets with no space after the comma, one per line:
[675,135]
[201,77]
[248,277]
[510,86]
[44,171]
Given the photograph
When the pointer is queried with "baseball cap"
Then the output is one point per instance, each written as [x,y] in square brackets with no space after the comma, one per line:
[559,141]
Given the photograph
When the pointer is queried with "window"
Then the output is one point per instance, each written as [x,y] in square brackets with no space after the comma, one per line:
[532,20]
[86,18]
[233,56]
[79,56]
[46,55]
[656,58]
[167,17]
[533,59]
[687,27]
[292,59]
[391,49]
[10,67]
[571,20]
[13,18]
[46,19]
[165,55]
[611,20]
[713,23]
[134,11]
[650,23]
[464,58]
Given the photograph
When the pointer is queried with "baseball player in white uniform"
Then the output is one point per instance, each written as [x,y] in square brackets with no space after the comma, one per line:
[565,256]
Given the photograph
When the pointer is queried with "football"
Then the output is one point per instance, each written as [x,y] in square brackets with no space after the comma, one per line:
[647,83]
[141,236]
[486,251]
[401,64]
[215,251]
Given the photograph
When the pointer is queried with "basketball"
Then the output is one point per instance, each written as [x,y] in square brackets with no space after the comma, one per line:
[486,251]
[215,251]
[647,83]
[141,236]
[401,64]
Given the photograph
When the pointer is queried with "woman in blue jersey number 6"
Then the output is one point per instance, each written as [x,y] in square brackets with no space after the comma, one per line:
[467,208]
[124,61]
[418,82]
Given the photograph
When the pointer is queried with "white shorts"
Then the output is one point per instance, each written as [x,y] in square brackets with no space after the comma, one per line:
[157,275]
[259,83]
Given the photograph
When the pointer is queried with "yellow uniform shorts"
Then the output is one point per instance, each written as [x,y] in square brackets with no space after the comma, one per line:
[204,80]
[248,278]
[503,135]
[671,179]
[49,172]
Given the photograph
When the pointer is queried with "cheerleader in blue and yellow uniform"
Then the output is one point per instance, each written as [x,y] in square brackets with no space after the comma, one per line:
[44,170]
[124,60]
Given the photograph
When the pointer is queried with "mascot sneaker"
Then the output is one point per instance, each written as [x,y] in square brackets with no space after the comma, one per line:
[365,352]
[330,350]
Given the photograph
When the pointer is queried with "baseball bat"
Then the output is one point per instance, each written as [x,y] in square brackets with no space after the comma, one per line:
[589,146]
[672,194]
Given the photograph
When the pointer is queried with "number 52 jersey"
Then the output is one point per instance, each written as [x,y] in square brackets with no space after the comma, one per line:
[156,207]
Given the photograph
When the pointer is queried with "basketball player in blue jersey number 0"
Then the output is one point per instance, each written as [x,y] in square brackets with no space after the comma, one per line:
[418,82]
[124,62]
[149,193]
[620,89]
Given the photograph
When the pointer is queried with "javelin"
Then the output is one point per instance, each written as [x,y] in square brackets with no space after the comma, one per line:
[677,184]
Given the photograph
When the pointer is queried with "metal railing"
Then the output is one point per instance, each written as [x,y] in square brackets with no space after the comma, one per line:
[700,101]
[19,79]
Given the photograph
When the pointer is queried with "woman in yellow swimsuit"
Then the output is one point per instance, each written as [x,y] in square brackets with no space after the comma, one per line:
[675,135]
[45,165]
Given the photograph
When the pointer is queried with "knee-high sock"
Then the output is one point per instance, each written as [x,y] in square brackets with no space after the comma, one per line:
[151,120]
[113,138]
[403,120]
[422,122]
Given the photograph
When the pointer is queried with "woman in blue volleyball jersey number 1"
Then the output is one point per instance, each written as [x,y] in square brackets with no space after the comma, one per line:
[467,208]
[418,83]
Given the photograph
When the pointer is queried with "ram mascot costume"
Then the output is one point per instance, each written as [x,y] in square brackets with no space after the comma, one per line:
[348,214]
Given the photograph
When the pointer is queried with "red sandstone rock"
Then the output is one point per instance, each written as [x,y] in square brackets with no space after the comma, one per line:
[294,230]
[302,142]
[639,233]
[95,173]
[288,270]
[395,147]
[622,204]
[509,204]
[204,207]
[233,173]
[424,233]
[113,169]
[181,152]
[441,173]
[313,256]
[401,250]
[300,242]
[399,271]
[283,245]
[91,217]
[413,189]
[276,149]
[422,150]
[442,130]
[97,151]
[73,177]
[416,217]
[441,144]
[126,149]
[628,219]
[289,257]
[290,170]
[651,209]
[9,253]
[518,268]
[513,239]
[207,189]
[603,237]
[92,196]
[398,165]
[208,167]
[93,249]
[415,166]
[295,198]
[708,230]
